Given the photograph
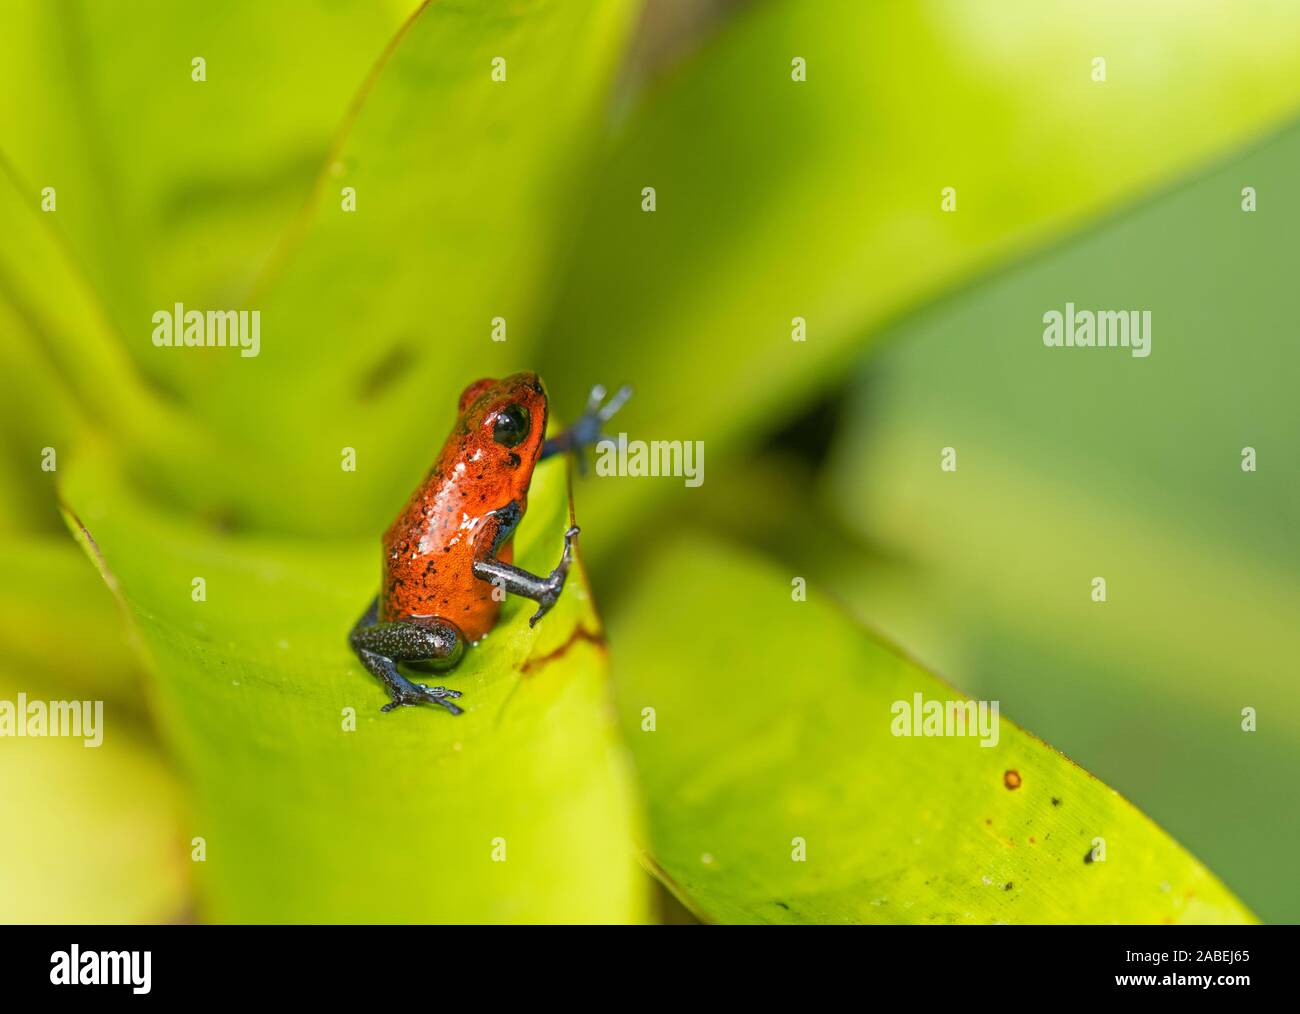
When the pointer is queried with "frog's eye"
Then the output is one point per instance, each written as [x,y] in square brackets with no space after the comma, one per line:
[511,425]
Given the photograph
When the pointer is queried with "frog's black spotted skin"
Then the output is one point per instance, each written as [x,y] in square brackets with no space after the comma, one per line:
[454,518]
[451,547]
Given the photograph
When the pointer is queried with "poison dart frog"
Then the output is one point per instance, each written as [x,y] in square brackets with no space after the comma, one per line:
[451,546]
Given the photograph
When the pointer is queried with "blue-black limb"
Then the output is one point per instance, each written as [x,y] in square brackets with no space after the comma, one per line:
[587,430]
[542,590]
[431,640]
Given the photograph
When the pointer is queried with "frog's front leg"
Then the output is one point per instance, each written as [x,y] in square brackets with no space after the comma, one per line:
[542,590]
[380,646]
[587,430]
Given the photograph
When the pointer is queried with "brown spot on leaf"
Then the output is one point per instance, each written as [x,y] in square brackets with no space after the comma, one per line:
[580,633]
[1011,779]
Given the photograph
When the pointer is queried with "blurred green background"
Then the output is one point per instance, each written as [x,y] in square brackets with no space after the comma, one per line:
[1084,464]
[775,199]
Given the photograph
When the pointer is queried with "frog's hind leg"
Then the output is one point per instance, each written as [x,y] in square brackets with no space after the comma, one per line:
[380,646]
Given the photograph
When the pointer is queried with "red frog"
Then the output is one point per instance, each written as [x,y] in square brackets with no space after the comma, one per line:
[451,547]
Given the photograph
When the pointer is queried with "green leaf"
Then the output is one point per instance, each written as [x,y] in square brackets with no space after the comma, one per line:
[1076,463]
[91,833]
[108,849]
[170,189]
[299,818]
[66,365]
[69,373]
[397,820]
[48,587]
[773,728]
[821,199]
[374,320]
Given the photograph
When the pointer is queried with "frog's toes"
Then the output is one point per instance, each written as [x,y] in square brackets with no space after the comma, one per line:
[424,695]
[605,412]
[543,607]
[437,691]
